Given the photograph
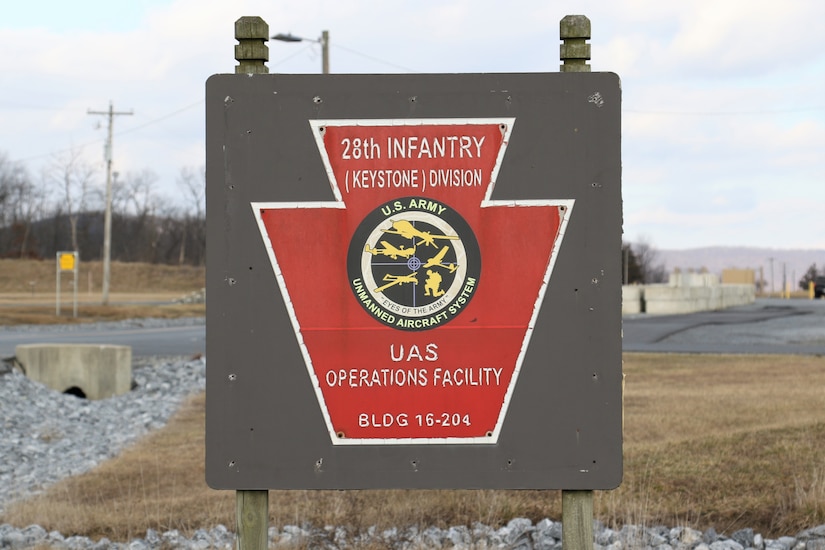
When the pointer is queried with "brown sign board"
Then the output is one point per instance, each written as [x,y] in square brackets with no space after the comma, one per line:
[414,281]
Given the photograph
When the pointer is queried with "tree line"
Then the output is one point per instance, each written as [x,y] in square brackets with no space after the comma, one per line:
[810,276]
[62,209]
[641,265]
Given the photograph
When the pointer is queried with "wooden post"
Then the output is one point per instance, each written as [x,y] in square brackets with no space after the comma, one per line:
[252,506]
[577,520]
[574,52]
[57,290]
[252,517]
[251,52]
[576,506]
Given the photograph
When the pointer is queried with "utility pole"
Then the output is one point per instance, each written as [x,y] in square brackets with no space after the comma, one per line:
[107,218]
[325,52]
[323,41]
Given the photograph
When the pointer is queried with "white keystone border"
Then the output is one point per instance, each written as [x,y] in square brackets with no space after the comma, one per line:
[566,206]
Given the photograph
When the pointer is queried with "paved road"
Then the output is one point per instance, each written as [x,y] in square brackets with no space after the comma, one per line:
[163,341]
[766,326]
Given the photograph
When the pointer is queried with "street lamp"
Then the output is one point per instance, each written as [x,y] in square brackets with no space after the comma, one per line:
[323,41]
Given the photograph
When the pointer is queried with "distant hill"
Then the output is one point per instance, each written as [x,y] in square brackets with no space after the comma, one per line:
[717,258]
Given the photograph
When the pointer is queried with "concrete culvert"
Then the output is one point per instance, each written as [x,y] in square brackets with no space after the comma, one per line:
[91,371]
[77,392]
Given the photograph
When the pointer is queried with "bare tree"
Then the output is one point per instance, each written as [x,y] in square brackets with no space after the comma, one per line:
[20,202]
[120,196]
[61,209]
[141,204]
[73,177]
[28,204]
[11,175]
[193,183]
[139,192]
[651,270]
[5,180]
[631,272]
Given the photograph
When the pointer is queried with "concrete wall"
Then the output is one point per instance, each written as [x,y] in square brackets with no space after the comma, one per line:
[632,299]
[667,299]
[686,293]
[96,370]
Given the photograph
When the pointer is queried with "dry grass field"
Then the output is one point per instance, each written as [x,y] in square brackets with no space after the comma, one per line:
[28,289]
[721,441]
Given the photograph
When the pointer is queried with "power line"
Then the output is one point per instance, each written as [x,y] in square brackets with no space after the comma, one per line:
[337,46]
[160,119]
[287,58]
[120,133]
[376,59]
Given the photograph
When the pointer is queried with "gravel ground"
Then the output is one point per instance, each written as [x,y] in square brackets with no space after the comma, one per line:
[108,325]
[48,436]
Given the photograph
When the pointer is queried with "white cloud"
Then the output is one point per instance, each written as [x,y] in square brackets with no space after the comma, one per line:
[723,125]
[747,37]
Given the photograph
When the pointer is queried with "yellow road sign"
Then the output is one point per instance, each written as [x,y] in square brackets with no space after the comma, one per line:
[67,261]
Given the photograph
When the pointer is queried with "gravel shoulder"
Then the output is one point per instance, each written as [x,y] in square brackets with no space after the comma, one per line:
[48,436]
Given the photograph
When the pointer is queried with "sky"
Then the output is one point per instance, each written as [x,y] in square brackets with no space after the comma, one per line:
[723,115]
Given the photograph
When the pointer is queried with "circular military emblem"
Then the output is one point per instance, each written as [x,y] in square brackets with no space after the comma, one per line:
[413,263]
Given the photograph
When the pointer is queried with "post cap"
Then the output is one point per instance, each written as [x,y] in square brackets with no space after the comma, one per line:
[251,28]
[574,26]
[251,52]
[574,52]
